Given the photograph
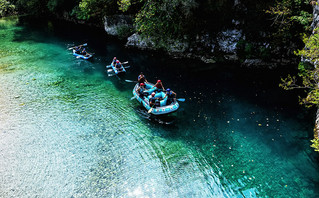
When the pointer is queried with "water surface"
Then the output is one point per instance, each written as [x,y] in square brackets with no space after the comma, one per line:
[67,129]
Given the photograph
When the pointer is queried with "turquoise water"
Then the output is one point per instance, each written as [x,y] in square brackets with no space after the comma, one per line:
[67,129]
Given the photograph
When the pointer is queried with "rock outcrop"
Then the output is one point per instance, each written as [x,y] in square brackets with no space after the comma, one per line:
[315,24]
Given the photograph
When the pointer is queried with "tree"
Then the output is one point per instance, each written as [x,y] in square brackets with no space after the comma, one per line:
[6,8]
[308,75]
[161,20]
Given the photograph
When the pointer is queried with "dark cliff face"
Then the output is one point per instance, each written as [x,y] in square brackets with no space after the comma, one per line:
[229,31]
[215,30]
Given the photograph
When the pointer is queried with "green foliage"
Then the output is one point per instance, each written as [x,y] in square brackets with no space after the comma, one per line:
[88,9]
[6,8]
[315,144]
[33,7]
[290,17]
[308,79]
[124,31]
[311,50]
[308,74]
[164,20]
[124,5]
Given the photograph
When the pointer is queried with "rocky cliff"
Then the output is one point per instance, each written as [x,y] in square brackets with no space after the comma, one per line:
[315,24]
[229,43]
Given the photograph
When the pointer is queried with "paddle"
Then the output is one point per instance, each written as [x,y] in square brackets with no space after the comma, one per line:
[181,99]
[130,81]
[109,66]
[151,109]
[85,44]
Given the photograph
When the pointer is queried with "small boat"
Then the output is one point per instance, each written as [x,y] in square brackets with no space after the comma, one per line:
[115,70]
[87,56]
[164,108]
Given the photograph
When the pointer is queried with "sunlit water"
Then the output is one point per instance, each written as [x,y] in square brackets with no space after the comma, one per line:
[67,129]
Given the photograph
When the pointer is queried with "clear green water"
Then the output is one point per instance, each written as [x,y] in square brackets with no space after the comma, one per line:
[69,130]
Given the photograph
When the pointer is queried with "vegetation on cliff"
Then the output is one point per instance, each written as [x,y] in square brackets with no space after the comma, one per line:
[6,8]
[308,76]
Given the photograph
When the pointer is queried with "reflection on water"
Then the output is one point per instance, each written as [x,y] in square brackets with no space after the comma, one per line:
[69,130]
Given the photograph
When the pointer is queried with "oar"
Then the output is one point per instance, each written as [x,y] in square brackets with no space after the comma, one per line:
[181,99]
[85,44]
[151,109]
[108,66]
[131,81]
[125,62]
[133,97]
[127,67]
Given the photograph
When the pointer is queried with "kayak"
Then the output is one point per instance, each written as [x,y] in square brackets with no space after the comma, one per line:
[116,71]
[81,55]
[164,108]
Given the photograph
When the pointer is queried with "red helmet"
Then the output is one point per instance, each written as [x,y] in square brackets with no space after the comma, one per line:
[142,84]
[153,94]
[117,61]
[158,81]
[114,58]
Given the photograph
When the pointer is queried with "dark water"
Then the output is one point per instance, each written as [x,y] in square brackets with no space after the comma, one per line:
[67,129]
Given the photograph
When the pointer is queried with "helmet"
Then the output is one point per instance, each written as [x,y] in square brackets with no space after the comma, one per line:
[142,84]
[168,89]
[153,94]
[158,81]
[117,61]
[114,58]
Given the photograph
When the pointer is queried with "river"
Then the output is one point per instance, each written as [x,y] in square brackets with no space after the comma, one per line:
[67,129]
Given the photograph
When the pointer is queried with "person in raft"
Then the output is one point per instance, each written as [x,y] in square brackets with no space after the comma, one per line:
[77,50]
[114,61]
[159,86]
[171,96]
[142,90]
[118,65]
[83,52]
[141,78]
[154,102]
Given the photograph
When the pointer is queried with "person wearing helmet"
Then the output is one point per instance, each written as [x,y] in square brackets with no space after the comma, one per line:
[171,96]
[114,61]
[118,65]
[154,102]
[159,86]
[141,78]
[78,49]
[142,90]
[83,52]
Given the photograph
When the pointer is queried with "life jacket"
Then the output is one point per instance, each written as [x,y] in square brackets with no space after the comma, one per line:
[141,90]
[118,65]
[77,50]
[170,94]
[159,86]
[157,102]
[152,100]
